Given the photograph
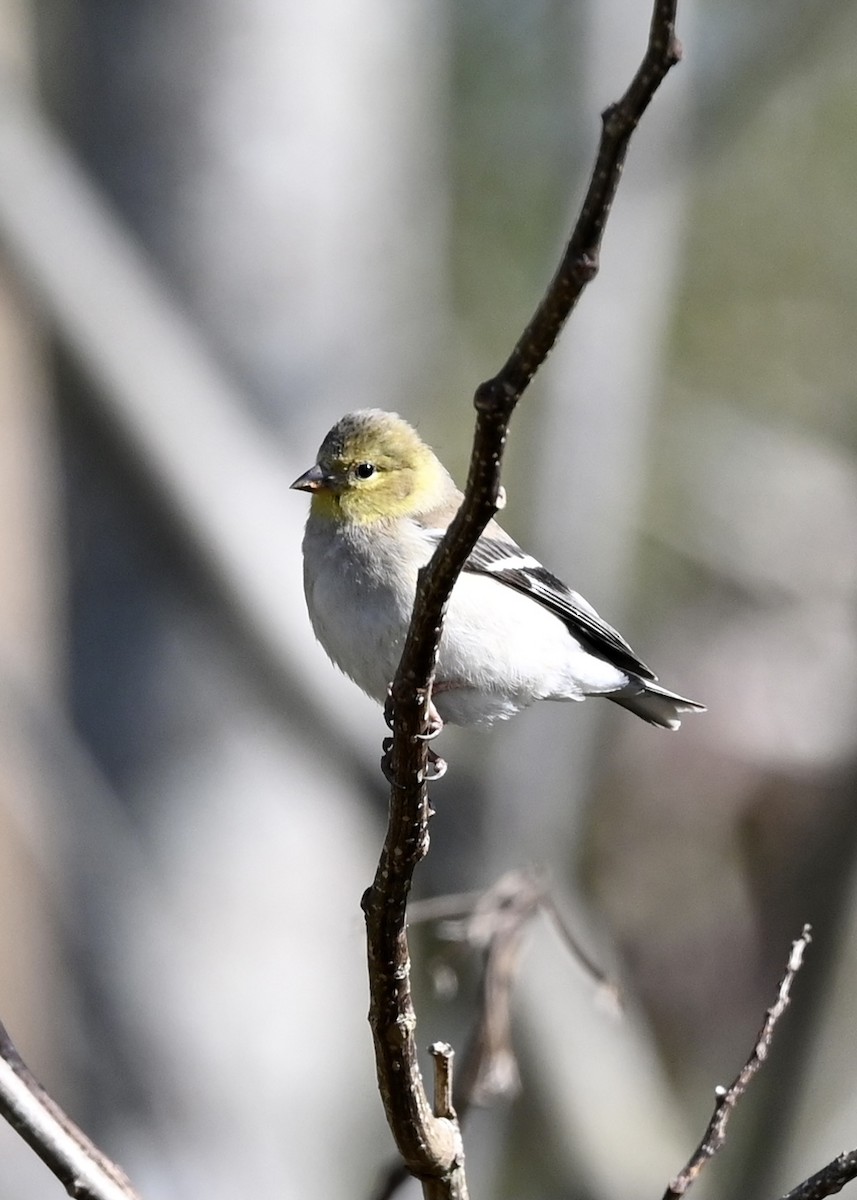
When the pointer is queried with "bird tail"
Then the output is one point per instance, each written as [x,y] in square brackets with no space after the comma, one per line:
[653,703]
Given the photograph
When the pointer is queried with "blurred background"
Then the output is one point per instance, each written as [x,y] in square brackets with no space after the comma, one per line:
[223,225]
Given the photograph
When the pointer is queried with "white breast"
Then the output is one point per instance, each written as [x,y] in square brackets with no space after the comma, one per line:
[359,610]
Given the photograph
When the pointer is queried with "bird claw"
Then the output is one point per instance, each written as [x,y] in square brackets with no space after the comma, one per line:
[436,767]
[434,728]
[434,725]
[387,762]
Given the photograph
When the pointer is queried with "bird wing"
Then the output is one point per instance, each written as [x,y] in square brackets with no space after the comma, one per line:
[503,560]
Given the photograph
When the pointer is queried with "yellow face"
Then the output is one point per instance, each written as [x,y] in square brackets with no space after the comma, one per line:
[371,466]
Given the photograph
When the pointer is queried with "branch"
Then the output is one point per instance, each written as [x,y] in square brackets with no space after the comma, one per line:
[497,398]
[828,1181]
[727,1098]
[494,921]
[497,923]
[84,1171]
[431,1144]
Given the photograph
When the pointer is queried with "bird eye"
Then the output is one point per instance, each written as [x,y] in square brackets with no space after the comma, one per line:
[364,470]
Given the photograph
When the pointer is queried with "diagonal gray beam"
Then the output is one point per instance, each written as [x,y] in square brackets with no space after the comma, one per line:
[182,421]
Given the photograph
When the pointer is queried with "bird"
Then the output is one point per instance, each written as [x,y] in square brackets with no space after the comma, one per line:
[513,633]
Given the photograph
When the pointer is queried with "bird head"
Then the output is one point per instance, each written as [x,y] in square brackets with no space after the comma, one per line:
[374,466]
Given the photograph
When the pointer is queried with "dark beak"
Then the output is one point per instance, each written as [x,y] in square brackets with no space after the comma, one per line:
[312,480]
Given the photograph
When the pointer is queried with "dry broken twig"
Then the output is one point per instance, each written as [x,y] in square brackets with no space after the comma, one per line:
[727,1098]
[430,1144]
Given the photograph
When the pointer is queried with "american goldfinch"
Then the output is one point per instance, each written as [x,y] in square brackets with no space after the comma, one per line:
[513,633]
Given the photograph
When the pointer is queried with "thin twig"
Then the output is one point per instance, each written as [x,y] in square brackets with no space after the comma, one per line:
[608,987]
[431,1146]
[84,1171]
[451,907]
[727,1098]
[828,1181]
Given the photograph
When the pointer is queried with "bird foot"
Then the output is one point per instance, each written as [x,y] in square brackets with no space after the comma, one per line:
[387,762]
[434,724]
[436,767]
